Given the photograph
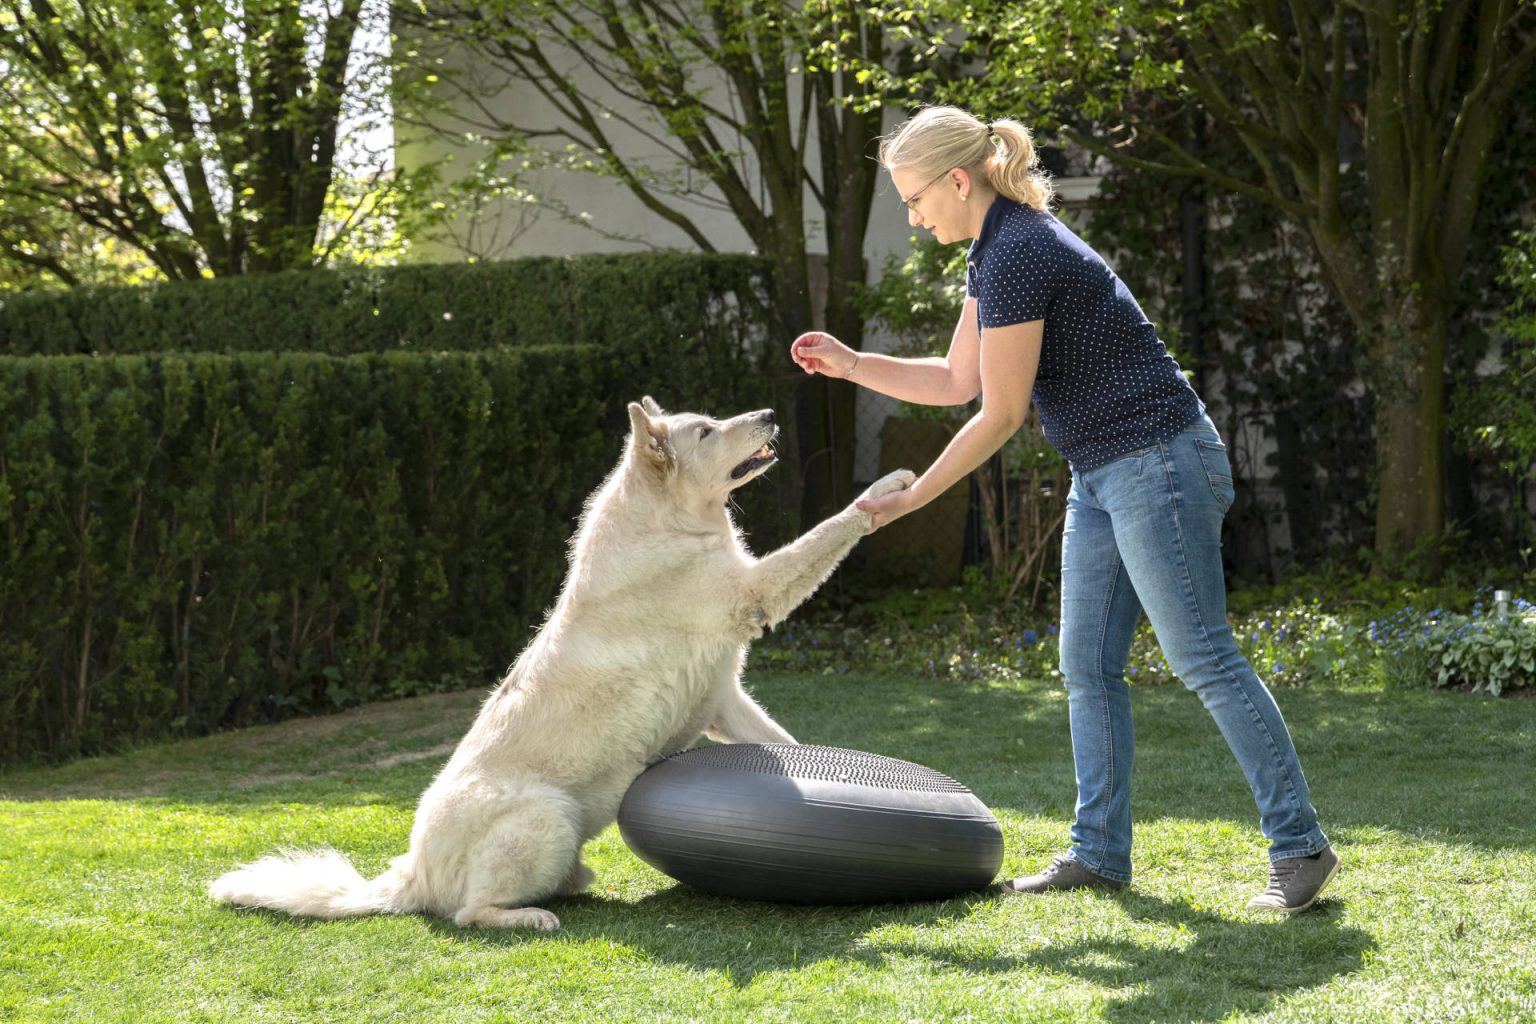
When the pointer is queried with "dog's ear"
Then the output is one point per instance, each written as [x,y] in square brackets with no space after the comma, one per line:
[650,436]
[651,407]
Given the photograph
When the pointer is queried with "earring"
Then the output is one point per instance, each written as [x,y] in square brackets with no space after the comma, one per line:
[964,196]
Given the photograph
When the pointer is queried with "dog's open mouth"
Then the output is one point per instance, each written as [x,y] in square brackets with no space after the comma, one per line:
[762,457]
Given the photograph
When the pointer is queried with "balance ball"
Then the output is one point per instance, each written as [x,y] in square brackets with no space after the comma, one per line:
[809,824]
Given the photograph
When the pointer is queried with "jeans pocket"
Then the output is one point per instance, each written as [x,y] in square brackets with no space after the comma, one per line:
[1124,460]
[1218,470]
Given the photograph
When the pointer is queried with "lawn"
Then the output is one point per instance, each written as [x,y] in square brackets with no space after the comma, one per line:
[103,914]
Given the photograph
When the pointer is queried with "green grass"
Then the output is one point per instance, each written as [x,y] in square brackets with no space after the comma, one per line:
[104,863]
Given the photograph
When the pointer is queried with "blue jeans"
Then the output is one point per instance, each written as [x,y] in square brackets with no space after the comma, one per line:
[1143,532]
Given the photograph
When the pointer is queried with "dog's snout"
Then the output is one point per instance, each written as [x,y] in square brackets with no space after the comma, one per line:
[766,415]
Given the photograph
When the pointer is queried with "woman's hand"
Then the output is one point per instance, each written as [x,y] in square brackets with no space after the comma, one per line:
[819,352]
[888,507]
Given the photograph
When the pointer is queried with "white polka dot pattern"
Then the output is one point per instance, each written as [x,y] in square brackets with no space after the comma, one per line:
[1106,384]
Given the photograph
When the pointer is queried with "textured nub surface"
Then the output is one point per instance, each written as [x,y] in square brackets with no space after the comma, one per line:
[831,764]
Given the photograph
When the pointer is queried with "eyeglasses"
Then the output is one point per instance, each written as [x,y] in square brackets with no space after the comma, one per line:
[915,196]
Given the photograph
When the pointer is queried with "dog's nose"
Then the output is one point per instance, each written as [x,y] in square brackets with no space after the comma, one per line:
[766,415]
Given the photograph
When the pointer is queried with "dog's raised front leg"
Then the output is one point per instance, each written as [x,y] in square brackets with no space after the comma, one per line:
[740,719]
[783,580]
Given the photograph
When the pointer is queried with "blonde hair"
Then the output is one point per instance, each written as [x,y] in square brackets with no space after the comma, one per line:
[936,139]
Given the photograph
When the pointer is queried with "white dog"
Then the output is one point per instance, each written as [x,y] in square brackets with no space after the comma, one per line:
[641,654]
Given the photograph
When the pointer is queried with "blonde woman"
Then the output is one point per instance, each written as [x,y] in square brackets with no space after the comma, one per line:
[1046,318]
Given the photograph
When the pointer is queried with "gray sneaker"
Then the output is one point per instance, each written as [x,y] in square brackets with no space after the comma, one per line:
[1063,874]
[1296,883]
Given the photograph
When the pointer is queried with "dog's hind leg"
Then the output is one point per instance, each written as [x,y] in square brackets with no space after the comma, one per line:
[577,881]
[528,853]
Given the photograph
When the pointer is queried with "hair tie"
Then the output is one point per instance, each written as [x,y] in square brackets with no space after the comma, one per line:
[990,133]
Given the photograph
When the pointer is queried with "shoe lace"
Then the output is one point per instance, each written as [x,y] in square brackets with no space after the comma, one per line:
[1280,874]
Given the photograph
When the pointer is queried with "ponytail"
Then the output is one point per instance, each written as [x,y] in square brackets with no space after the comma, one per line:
[938,138]
[1014,169]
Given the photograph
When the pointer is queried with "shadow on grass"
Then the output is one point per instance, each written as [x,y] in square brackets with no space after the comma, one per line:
[1212,968]
[1225,967]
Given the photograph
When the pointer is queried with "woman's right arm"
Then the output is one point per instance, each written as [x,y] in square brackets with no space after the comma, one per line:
[951,379]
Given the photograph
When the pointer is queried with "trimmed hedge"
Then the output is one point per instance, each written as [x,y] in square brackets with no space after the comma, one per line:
[197,542]
[235,532]
[607,299]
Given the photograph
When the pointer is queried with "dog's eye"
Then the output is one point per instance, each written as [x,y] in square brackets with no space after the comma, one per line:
[703,433]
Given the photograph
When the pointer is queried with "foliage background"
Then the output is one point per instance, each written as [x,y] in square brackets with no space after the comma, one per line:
[195,540]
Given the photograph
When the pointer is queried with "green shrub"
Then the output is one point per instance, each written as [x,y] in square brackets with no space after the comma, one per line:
[193,542]
[640,299]
[1479,652]
[1316,631]
[1489,654]
[232,500]
[1498,413]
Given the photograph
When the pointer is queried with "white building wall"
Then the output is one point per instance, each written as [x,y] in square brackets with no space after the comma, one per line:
[613,219]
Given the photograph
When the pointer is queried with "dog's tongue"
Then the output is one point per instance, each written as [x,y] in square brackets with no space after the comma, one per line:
[763,453]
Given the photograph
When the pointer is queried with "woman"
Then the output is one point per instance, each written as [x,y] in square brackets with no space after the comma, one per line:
[1045,317]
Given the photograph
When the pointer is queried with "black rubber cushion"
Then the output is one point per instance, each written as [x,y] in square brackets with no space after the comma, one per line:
[809,824]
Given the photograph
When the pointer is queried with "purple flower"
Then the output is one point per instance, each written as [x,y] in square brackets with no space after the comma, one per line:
[1030,636]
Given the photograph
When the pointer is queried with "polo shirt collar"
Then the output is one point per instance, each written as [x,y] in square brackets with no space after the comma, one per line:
[989,225]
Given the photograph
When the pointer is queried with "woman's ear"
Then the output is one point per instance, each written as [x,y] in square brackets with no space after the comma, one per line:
[960,180]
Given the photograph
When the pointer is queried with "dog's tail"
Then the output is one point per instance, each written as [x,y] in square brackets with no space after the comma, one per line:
[322,884]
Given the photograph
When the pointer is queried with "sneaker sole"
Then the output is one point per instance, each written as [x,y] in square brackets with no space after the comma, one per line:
[1008,888]
[1315,896]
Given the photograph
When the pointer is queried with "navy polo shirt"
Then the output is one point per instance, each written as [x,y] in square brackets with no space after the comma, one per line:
[1106,384]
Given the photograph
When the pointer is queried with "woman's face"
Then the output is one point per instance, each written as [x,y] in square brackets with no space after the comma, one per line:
[933,202]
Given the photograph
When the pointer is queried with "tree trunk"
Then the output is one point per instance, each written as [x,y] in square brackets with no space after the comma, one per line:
[848,186]
[792,297]
[1410,401]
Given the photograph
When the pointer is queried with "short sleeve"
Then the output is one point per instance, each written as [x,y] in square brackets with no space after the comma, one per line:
[1014,284]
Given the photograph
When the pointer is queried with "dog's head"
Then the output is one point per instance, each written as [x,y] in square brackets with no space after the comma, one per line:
[706,457]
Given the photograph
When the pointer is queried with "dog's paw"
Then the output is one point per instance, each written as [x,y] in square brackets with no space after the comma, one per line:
[507,917]
[897,481]
[540,920]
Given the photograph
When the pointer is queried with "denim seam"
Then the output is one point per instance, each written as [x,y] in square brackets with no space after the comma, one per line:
[1109,752]
[1109,602]
[1193,605]
[1094,860]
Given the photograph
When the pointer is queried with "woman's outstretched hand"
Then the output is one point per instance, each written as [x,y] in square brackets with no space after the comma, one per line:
[887,508]
[819,352]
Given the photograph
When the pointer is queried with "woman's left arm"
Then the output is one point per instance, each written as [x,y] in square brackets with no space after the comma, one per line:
[1009,358]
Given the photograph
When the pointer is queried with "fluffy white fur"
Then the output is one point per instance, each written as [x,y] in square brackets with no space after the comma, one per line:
[642,653]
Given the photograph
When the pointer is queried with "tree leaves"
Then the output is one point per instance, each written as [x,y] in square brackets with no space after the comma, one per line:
[202,135]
